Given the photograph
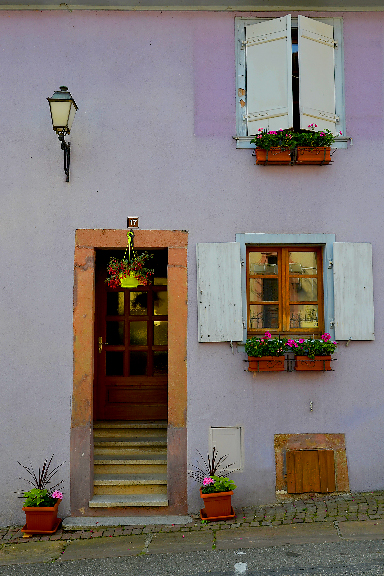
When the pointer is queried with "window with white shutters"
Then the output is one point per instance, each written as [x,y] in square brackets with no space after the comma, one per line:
[289,74]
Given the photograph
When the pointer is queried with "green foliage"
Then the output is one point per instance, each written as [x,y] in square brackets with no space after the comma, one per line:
[266,346]
[38,497]
[211,466]
[289,139]
[312,348]
[221,485]
[133,267]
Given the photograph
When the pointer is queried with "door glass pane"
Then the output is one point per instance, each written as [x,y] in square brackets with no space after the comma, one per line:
[303,263]
[303,289]
[138,362]
[115,333]
[138,333]
[160,333]
[138,303]
[264,316]
[303,316]
[160,281]
[114,363]
[264,289]
[115,303]
[160,303]
[160,362]
[263,263]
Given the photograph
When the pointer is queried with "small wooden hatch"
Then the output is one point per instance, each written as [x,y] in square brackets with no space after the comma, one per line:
[310,471]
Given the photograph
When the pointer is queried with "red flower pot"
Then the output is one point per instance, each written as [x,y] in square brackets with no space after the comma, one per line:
[273,156]
[41,519]
[217,505]
[320,155]
[266,363]
[322,363]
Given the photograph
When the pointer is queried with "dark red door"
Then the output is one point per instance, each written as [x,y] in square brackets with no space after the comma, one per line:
[131,341]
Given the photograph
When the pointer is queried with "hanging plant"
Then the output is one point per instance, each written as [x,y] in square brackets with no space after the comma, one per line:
[129,272]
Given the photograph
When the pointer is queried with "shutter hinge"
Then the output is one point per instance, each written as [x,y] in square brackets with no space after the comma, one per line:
[332,324]
[330,264]
[242,262]
[335,43]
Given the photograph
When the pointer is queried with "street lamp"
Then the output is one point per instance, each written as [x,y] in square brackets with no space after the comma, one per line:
[63,110]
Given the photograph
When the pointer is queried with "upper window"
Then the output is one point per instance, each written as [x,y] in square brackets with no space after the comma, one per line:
[289,74]
[285,289]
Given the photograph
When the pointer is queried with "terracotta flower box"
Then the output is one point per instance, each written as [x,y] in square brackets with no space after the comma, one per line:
[41,519]
[273,156]
[266,364]
[306,155]
[320,363]
[218,505]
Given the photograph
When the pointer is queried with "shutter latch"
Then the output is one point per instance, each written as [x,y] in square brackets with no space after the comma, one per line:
[330,264]
[332,324]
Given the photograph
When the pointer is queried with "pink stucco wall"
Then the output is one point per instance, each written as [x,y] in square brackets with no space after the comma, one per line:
[153,138]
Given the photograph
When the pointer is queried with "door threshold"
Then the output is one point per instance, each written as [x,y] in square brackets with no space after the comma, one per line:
[126,500]
[75,523]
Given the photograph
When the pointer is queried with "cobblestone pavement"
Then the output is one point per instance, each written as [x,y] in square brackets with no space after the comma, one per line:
[342,507]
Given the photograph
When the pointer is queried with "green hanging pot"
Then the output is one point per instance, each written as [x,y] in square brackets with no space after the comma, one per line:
[128,282]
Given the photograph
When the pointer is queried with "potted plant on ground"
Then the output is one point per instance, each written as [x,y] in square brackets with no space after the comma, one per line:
[41,503]
[313,354]
[266,354]
[216,490]
[129,271]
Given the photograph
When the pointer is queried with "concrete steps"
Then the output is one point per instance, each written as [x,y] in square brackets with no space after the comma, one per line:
[130,464]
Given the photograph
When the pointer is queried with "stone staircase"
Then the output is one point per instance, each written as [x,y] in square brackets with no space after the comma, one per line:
[130,464]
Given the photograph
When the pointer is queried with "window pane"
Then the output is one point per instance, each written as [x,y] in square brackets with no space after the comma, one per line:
[160,333]
[114,363]
[303,289]
[303,316]
[138,362]
[264,289]
[138,303]
[160,362]
[263,263]
[115,303]
[138,333]
[115,333]
[302,263]
[160,303]
[264,316]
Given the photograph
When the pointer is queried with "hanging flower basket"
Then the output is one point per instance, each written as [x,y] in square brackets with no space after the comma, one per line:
[320,155]
[266,364]
[274,155]
[320,363]
[129,272]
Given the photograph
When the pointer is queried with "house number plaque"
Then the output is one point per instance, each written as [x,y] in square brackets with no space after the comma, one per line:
[132,222]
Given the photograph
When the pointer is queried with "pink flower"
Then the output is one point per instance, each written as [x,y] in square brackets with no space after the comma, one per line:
[207,481]
[292,343]
[57,494]
[335,343]
[267,335]
[325,337]
[301,341]
[340,133]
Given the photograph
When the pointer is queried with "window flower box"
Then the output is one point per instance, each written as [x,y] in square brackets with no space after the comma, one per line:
[266,364]
[320,363]
[318,155]
[275,155]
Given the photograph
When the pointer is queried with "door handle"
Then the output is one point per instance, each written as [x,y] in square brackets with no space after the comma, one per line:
[100,344]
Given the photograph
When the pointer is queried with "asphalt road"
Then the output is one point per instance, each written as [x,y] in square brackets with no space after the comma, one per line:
[343,558]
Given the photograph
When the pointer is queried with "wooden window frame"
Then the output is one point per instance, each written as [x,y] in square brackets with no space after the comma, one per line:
[284,301]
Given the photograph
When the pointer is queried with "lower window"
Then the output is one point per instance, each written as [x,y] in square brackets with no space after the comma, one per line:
[285,290]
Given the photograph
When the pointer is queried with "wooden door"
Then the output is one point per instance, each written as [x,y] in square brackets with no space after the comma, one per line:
[310,471]
[131,345]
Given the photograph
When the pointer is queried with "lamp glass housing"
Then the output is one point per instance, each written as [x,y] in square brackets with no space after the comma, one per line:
[63,110]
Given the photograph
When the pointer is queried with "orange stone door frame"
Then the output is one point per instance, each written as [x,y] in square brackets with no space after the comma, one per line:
[81,463]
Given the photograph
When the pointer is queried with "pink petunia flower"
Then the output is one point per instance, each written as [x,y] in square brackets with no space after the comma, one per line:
[207,481]
[267,335]
[326,337]
[57,494]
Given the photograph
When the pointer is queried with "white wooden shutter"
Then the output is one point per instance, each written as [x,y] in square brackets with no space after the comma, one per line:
[316,74]
[269,75]
[353,285]
[219,302]
[227,442]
